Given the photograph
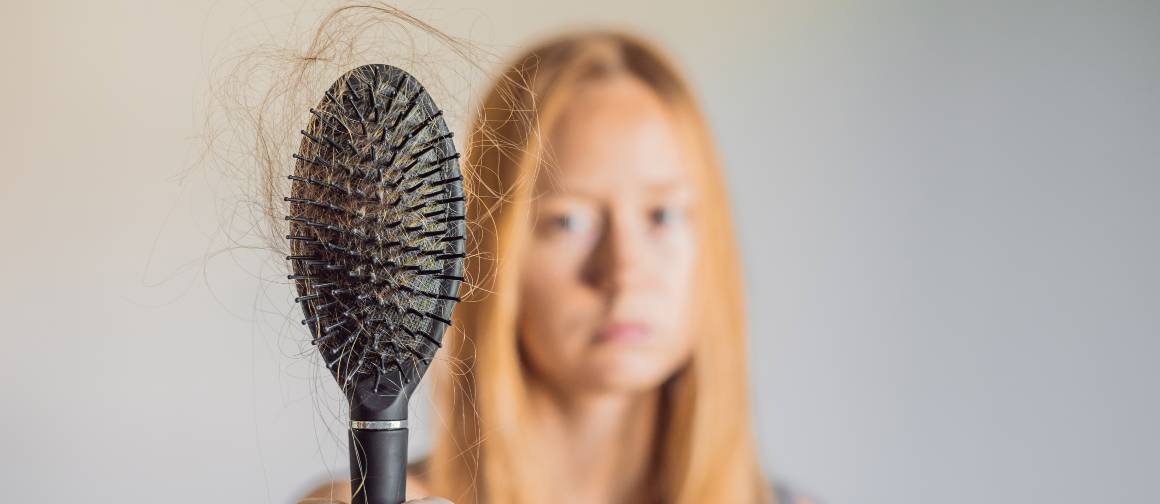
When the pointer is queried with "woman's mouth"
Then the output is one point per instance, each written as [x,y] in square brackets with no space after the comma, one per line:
[623,332]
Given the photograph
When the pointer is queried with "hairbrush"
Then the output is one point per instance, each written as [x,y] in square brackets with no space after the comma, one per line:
[377,246]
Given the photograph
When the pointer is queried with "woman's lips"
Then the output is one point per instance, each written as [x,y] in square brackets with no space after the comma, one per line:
[623,332]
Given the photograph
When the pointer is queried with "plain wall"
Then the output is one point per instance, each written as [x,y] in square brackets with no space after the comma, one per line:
[948,213]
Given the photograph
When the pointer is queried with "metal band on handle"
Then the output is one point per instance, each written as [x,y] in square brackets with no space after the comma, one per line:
[378,424]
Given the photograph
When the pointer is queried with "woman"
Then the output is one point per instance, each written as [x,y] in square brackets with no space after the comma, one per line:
[606,361]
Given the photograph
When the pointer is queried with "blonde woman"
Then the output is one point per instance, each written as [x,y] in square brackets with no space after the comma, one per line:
[606,363]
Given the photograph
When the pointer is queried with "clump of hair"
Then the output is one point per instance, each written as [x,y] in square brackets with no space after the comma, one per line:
[376,225]
[261,98]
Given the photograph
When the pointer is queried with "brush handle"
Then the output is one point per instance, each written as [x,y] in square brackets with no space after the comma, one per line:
[378,466]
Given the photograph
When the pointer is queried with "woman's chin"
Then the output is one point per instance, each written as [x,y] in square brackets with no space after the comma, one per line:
[627,372]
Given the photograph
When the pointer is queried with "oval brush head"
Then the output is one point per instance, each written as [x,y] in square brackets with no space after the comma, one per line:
[377,246]
[376,233]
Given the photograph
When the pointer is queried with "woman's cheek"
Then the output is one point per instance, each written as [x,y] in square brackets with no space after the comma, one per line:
[681,265]
[678,255]
[548,287]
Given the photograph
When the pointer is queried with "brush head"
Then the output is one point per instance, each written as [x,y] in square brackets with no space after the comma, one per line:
[376,234]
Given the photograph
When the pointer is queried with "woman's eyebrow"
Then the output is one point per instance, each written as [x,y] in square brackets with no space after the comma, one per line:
[668,188]
[662,188]
[665,187]
[570,192]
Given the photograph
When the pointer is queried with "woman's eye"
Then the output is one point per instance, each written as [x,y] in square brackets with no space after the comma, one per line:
[568,222]
[565,222]
[663,216]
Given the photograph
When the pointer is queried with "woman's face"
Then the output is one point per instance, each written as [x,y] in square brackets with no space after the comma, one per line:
[606,275]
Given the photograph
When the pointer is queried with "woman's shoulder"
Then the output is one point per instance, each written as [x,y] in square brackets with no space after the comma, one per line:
[788,494]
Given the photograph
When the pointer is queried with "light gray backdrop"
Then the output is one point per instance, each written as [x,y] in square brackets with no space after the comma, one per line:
[948,213]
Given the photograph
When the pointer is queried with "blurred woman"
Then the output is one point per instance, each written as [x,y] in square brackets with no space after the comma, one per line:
[606,362]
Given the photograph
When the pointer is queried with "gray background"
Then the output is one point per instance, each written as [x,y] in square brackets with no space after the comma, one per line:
[948,214]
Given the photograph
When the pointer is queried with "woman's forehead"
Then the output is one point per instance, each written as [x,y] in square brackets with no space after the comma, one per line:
[616,133]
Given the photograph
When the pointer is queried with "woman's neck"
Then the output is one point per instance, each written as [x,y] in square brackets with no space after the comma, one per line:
[601,445]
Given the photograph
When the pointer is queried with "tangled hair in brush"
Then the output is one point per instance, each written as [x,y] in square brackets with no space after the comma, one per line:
[376,225]
[270,101]
[261,98]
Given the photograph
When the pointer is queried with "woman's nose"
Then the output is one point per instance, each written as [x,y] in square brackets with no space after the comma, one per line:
[617,262]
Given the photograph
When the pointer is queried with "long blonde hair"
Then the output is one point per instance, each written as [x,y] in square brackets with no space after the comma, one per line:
[706,453]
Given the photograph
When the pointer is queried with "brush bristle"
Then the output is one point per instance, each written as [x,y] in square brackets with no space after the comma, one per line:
[376,226]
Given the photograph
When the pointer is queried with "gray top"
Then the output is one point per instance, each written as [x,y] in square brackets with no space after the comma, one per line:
[786,494]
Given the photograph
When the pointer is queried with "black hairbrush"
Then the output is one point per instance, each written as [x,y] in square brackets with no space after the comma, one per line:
[377,246]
